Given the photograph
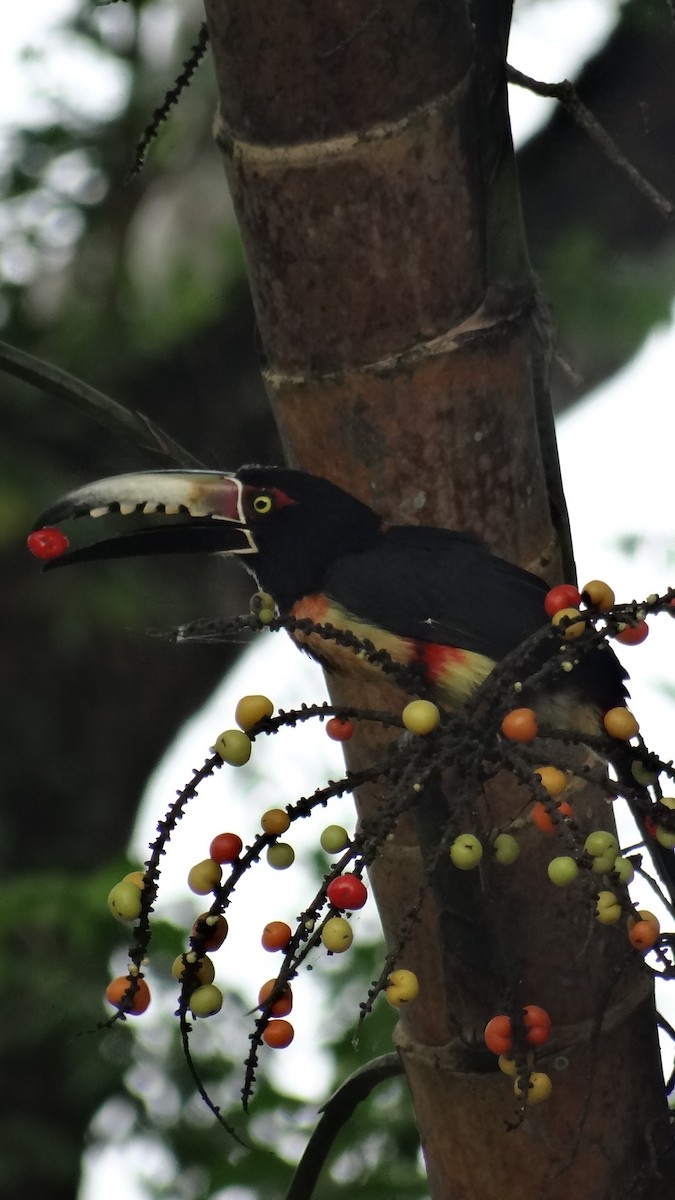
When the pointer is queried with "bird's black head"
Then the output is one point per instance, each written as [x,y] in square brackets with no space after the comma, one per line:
[288,526]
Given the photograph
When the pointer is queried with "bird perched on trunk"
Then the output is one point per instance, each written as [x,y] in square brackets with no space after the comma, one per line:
[433,599]
[436,600]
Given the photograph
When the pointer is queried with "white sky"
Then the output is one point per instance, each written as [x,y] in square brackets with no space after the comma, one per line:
[616,453]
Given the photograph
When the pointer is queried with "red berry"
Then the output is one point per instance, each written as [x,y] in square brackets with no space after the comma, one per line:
[633,635]
[498,1034]
[565,595]
[339,729]
[347,891]
[47,543]
[538,1024]
[225,847]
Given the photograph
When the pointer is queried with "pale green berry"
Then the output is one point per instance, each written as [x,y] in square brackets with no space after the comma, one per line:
[601,842]
[562,870]
[466,852]
[206,1000]
[234,747]
[624,869]
[334,839]
[280,856]
[507,849]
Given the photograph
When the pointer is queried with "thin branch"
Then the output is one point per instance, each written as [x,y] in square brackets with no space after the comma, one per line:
[566,93]
[159,116]
[147,437]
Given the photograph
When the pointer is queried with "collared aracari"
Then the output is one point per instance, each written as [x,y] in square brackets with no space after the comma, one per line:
[434,599]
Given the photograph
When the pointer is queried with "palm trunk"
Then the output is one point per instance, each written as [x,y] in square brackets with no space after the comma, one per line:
[369,157]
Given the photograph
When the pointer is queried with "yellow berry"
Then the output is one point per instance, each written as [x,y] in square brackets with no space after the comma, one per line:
[124,901]
[137,877]
[598,594]
[575,628]
[204,972]
[337,935]
[553,780]
[620,723]
[537,1087]
[251,709]
[420,716]
[403,987]
[204,876]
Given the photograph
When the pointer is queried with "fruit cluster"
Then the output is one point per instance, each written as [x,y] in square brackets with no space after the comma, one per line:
[488,737]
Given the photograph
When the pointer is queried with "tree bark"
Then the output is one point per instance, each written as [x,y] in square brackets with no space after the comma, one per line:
[369,159]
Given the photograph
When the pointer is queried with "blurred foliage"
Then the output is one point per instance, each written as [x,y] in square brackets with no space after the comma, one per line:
[139,288]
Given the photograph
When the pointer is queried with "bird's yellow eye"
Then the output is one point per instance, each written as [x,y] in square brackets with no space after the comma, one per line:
[262,504]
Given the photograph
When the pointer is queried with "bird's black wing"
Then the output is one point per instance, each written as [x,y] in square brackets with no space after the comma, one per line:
[439,586]
[435,585]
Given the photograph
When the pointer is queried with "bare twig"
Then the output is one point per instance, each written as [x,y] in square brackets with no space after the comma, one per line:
[566,93]
[160,114]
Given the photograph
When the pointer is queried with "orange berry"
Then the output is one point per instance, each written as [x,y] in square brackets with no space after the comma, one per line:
[284,1002]
[520,725]
[339,729]
[117,992]
[542,818]
[275,820]
[620,723]
[643,935]
[645,915]
[276,935]
[278,1034]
